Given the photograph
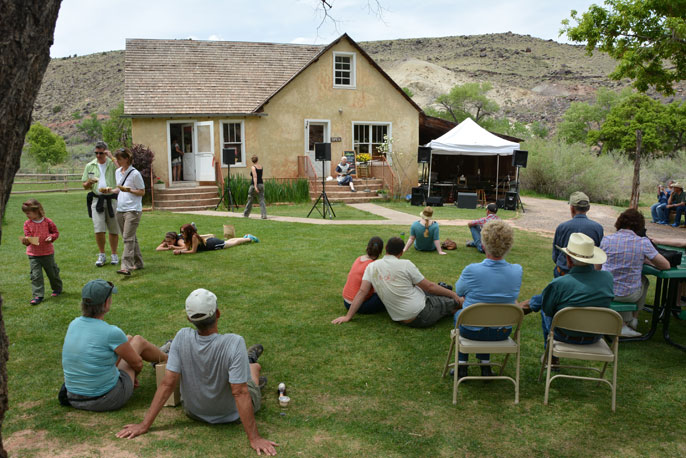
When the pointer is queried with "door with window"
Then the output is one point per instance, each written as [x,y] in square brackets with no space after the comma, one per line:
[204,155]
[317,131]
[188,159]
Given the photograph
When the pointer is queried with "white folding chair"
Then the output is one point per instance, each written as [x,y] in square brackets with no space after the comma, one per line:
[593,320]
[486,315]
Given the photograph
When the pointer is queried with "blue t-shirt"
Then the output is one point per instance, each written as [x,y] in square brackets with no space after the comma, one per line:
[422,243]
[491,282]
[88,357]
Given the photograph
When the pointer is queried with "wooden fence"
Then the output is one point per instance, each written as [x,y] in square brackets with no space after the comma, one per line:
[59,182]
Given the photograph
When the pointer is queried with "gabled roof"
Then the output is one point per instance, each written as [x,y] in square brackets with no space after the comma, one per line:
[189,77]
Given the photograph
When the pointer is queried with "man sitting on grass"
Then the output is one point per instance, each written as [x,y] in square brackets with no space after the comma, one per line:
[221,380]
[476,225]
[408,296]
[582,286]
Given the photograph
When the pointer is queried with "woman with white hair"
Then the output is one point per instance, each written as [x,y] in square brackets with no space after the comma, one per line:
[491,281]
[424,233]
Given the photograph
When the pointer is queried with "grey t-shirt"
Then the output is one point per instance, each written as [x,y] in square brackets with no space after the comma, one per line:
[208,364]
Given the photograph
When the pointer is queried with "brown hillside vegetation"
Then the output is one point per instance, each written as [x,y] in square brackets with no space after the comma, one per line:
[533,79]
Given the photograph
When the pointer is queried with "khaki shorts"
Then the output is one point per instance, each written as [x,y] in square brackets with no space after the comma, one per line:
[103,222]
[255,395]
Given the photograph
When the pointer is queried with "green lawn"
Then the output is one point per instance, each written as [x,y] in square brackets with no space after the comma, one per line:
[366,388]
[449,211]
[342,211]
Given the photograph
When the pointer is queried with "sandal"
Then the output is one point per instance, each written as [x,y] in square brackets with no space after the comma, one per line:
[124,272]
[56,293]
[36,300]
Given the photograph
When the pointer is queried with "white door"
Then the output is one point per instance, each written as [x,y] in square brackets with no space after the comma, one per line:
[204,151]
[317,131]
[189,155]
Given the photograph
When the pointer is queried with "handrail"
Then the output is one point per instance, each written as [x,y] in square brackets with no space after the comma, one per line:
[393,177]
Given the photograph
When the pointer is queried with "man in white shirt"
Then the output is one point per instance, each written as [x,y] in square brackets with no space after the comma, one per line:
[408,296]
[342,170]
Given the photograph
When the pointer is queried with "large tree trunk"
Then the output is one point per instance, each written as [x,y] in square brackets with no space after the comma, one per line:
[636,183]
[26,32]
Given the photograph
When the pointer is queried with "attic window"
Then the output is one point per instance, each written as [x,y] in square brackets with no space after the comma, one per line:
[344,70]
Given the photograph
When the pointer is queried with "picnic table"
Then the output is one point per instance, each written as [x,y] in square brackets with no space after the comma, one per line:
[666,292]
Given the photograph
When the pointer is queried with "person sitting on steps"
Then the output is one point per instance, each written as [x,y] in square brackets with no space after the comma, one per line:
[343,169]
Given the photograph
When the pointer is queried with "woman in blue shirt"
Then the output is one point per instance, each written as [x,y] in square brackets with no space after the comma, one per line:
[424,233]
[492,281]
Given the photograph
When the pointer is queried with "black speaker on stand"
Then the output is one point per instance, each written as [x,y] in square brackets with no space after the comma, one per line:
[519,159]
[322,153]
[229,158]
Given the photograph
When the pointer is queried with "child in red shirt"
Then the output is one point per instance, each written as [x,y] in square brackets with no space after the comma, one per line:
[42,255]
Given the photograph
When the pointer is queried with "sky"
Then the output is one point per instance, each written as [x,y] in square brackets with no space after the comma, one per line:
[90,26]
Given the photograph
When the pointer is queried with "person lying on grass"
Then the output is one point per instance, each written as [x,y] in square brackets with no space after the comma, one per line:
[408,296]
[193,243]
[172,241]
[100,362]
[220,379]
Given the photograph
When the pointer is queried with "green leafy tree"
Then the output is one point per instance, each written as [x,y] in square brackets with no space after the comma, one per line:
[646,37]
[637,126]
[116,131]
[676,127]
[408,92]
[582,117]
[44,146]
[464,101]
[91,127]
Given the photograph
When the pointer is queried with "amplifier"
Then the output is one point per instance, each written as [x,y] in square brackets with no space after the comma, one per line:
[466,200]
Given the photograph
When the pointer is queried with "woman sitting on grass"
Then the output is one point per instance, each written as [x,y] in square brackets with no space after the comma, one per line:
[372,304]
[424,233]
[172,241]
[193,243]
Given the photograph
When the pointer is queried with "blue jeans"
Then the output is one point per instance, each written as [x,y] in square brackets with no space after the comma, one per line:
[662,213]
[476,236]
[371,305]
[656,211]
[484,335]
[535,306]
[677,218]
[345,180]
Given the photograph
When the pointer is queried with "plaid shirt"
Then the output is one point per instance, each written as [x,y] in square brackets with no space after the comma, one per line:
[626,253]
[484,220]
[41,230]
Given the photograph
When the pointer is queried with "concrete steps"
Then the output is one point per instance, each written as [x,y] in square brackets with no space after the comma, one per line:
[366,191]
[186,198]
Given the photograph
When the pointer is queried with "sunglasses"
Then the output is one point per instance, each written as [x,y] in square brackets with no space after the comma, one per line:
[97,153]
[109,293]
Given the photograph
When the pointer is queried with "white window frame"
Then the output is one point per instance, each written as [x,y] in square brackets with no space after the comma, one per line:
[221,141]
[389,131]
[353,70]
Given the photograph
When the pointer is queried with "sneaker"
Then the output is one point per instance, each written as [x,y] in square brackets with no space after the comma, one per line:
[36,300]
[251,237]
[675,225]
[114,259]
[353,190]
[254,353]
[628,332]
[264,217]
[101,260]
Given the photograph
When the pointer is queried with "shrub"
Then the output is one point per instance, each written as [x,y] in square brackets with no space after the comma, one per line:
[57,108]
[44,146]
[295,190]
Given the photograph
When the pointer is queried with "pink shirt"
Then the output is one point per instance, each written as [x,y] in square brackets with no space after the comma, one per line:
[41,230]
[352,285]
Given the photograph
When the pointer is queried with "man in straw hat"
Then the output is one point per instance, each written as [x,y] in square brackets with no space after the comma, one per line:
[221,379]
[677,202]
[583,286]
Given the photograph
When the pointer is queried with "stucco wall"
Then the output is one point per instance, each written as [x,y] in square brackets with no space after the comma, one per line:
[279,137]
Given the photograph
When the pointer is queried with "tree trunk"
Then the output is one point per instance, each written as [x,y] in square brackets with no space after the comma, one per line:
[26,33]
[636,183]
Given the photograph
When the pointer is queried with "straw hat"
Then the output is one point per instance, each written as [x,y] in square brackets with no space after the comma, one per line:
[677,185]
[582,248]
[427,213]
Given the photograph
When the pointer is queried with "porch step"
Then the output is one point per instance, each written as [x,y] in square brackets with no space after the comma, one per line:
[186,198]
[366,190]
[184,202]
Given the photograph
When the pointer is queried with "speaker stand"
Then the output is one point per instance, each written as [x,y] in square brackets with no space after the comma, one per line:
[226,193]
[326,205]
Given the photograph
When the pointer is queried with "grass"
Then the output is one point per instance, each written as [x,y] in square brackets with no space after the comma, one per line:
[366,388]
[449,211]
[343,212]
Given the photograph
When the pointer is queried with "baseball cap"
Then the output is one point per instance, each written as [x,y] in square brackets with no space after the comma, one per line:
[492,207]
[97,291]
[579,199]
[201,304]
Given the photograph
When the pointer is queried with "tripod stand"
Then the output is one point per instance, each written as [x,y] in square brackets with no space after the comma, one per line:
[519,203]
[326,205]
[226,193]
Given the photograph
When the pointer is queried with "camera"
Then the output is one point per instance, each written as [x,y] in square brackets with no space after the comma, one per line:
[445,285]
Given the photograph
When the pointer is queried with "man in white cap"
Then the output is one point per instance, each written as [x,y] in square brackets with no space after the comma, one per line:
[221,379]
[582,286]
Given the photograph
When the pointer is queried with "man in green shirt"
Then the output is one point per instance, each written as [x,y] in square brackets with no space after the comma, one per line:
[677,201]
[98,176]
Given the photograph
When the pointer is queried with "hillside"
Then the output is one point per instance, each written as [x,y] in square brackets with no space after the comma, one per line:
[533,79]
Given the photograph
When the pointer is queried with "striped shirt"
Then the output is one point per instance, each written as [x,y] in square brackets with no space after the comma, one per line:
[484,220]
[626,253]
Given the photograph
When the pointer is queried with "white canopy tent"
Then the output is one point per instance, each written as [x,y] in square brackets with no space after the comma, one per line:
[470,139]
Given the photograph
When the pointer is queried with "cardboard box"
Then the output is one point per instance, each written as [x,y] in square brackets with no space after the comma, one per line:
[175,398]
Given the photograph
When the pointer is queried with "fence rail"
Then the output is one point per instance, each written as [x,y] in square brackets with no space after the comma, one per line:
[60,182]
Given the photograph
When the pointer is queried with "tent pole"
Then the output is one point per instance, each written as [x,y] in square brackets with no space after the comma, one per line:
[431,162]
[497,177]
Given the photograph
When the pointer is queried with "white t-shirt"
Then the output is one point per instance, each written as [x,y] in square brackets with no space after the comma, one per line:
[102,183]
[394,281]
[127,201]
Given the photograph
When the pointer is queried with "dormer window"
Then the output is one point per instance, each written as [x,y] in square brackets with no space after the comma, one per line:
[344,70]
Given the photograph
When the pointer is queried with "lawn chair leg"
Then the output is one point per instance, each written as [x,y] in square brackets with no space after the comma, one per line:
[447,361]
[502,368]
[456,370]
[517,376]
[548,360]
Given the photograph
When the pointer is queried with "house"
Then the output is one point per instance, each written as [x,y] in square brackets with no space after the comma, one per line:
[271,100]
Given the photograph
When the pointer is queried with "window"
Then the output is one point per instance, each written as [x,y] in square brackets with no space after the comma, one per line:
[344,70]
[367,138]
[232,137]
